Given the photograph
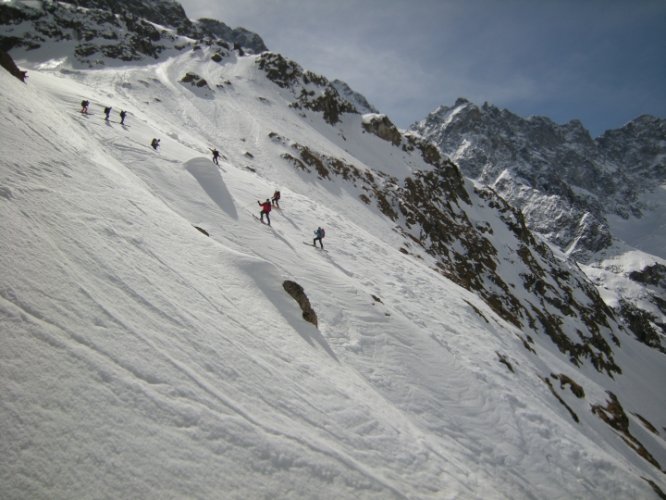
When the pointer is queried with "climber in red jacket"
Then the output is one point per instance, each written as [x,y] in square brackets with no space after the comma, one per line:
[265,210]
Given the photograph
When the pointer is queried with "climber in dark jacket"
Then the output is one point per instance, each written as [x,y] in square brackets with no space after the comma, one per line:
[216,156]
[276,199]
[319,235]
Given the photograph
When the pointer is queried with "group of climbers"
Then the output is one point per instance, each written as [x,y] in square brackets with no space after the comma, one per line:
[107,111]
[266,206]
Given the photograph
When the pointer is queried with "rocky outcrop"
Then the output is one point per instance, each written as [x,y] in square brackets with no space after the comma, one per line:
[654,275]
[296,291]
[237,36]
[8,63]
[644,325]
[311,91]
[614,415]
[281,71]
[382,127]
[195,80]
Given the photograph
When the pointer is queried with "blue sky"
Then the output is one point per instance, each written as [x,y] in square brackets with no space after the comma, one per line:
[600,61]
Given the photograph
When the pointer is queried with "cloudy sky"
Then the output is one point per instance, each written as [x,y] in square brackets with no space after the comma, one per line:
[600,61]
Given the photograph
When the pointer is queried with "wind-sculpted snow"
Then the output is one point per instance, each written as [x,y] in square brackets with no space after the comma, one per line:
[211,181]
[141,358]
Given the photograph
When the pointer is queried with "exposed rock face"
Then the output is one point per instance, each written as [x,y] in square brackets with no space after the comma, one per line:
[237,36]
[614,415]
[382,127]
[654,275]
[195,80]
[8,63]
[311,91]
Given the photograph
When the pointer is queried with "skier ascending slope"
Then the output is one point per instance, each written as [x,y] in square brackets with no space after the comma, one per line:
[319,235]
[265,210]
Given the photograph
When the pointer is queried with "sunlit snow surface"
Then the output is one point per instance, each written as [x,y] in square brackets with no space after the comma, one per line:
[142,359]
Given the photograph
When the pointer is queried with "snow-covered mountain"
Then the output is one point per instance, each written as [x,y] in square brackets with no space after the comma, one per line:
[566,183]
[601,201]
[159,341]
[99,32]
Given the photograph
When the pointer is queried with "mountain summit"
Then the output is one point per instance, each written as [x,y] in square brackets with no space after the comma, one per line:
[159,340]
[566,183]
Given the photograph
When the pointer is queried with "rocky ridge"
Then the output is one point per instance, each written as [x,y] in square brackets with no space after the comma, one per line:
[101,32]
[565,182]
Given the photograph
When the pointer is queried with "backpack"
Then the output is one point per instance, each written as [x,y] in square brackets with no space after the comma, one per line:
[322,233]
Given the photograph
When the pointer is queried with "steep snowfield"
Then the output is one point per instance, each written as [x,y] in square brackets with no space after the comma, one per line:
[140,358]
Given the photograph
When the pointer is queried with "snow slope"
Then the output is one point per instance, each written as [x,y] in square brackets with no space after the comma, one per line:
[141,358]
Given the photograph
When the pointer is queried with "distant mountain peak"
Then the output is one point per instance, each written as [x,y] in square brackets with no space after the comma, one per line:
[561,160]
[125,30]
[572,190]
